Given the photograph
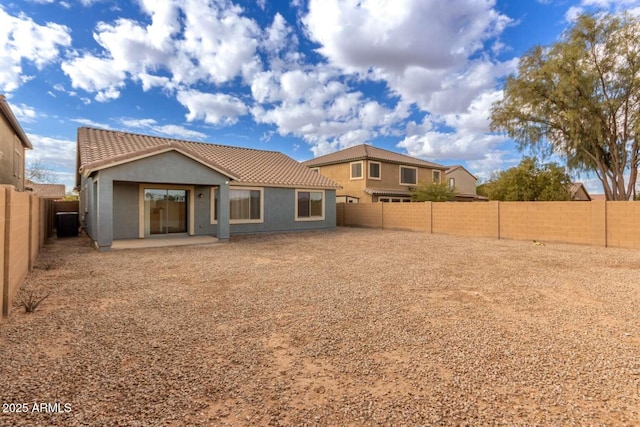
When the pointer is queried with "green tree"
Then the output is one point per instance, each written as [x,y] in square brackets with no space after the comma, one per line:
[432,192]
[528,181]
[580,98]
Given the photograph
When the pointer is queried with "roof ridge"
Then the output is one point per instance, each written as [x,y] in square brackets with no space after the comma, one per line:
[177,140]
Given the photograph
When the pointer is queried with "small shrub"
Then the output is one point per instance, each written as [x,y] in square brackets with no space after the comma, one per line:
[30,301]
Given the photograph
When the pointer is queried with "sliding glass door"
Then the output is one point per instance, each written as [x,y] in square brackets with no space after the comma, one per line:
[165,211]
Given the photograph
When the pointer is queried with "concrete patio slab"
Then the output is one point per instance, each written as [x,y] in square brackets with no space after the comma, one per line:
[164,241]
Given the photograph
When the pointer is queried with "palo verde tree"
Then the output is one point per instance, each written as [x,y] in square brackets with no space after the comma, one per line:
[529,181]
[580,98]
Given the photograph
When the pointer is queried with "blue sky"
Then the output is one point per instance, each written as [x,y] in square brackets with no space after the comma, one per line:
[304,77]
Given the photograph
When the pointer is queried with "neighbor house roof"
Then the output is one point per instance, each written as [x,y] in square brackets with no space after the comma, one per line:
[574,189]
[369,152]
[13,122]
[100,149]
[48,191]
[387,192]
[454,168]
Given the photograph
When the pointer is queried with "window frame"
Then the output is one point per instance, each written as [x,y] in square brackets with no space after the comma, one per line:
[379,177]
[452,182]
[361,163]
[213,211]
[433,176]
[309,218]
[315,169]
[408,167]
[17,158]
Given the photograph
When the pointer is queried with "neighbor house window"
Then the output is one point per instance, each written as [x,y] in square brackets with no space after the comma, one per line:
[315,170]
[374,170]
[408,175]
[394,199]
[356,170]
[17,159]
[309,205]
[245,205]
[436,177]
[452,183]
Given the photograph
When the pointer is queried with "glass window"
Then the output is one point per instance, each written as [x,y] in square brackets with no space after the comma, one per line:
[452,183]
[374,170]
[310,205]
[436,177]
[244,204]
[356,170]
[408,175]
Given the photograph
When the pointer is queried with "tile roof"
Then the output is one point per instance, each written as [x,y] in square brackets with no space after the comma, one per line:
[387,192]
[454,168]
[100,149]
[366,151]
[13,122]
[575,187]
[48,191]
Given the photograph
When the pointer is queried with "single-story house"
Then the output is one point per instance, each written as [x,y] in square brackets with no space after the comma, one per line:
[141,186]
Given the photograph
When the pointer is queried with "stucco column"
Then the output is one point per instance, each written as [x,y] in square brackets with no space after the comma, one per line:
[105,213]
[223,212]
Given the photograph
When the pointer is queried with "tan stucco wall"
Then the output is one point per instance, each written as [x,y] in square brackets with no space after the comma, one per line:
[465,183]
[600,223]
[9,143]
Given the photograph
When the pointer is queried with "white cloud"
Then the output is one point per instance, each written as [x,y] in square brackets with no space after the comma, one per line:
[216,109]
[22,39]
[54,153]
[188,42]
[94,74]
[174,131]
[25,113]
[393,36]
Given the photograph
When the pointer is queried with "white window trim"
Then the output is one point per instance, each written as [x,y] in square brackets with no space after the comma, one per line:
[248,221]
[191,204]
[379,170]
[361,170]
[400,175]
[311,218]
[316,169]
[433,176]
[452,181]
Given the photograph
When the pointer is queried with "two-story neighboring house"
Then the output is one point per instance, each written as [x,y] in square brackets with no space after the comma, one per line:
[464,182]
[369,174]
[13,143]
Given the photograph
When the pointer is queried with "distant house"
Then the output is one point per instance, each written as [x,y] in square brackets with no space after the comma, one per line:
[142,186]
[369,174]
[13,143]
[464,182]
[578,192]
[48,191]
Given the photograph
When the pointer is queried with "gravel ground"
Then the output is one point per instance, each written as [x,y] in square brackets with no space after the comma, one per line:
[351,327]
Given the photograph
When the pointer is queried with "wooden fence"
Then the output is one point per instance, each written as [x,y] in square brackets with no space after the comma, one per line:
[600,223]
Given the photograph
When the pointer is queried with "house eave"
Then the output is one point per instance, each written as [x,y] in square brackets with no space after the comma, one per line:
[88,169]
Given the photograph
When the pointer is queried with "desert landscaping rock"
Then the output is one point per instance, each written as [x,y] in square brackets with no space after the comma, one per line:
[352,327]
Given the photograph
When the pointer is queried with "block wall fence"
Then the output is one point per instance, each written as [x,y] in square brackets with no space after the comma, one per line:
[23,231]
[599,223]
